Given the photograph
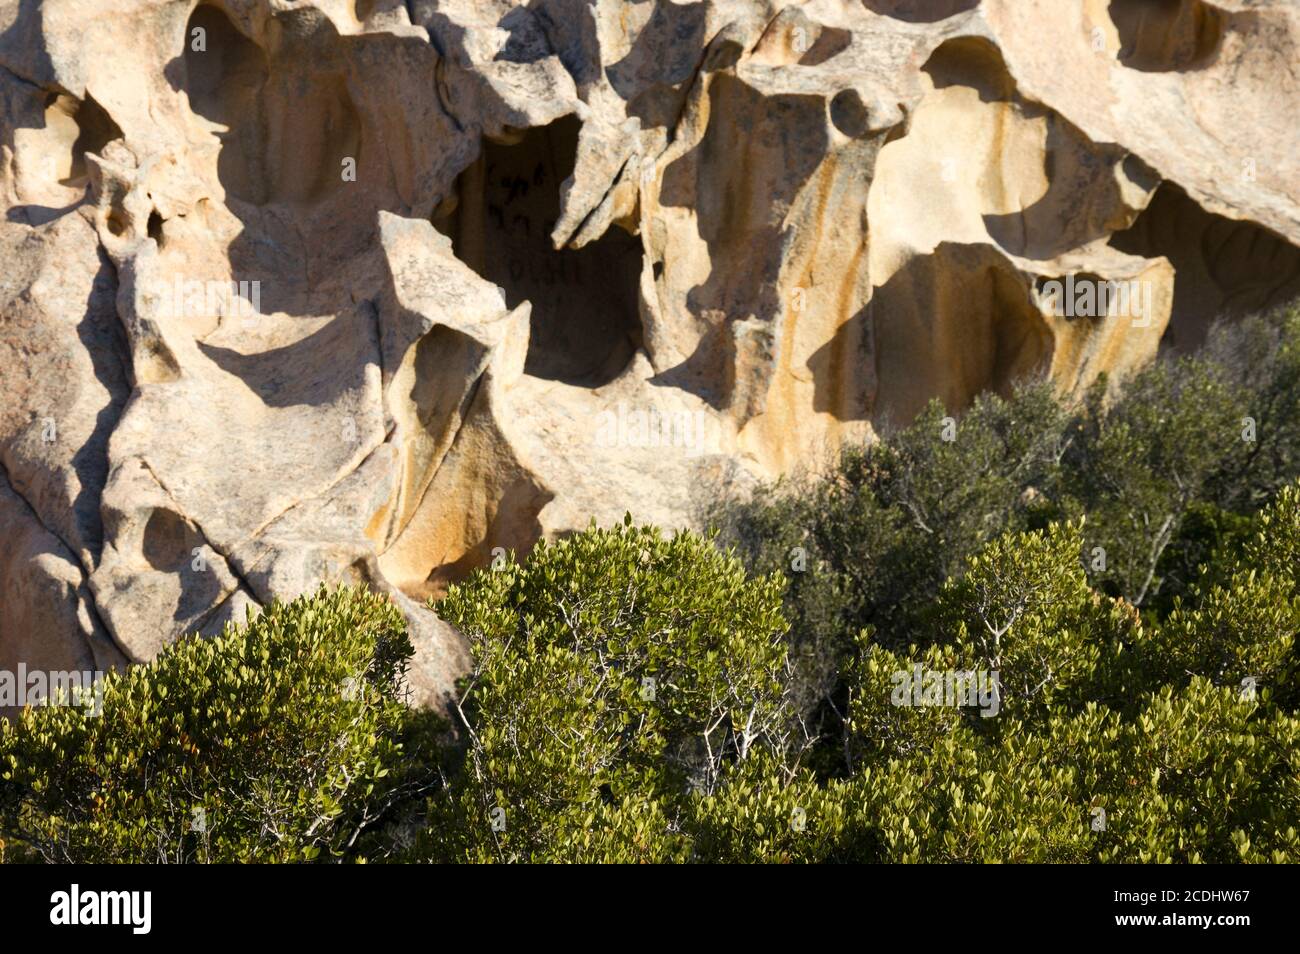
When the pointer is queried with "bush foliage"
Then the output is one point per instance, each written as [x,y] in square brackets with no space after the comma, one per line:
[1114,579]
[1163,476]
[1107,745]
[276,741]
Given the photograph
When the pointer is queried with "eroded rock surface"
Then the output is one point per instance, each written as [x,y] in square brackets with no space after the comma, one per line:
[303,290]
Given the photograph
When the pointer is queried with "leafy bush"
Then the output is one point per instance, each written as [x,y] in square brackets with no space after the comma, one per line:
[1162,473]
[276,741]
[1197,775]
[1111,738]
[869,544]
[1107,591]
[617,672]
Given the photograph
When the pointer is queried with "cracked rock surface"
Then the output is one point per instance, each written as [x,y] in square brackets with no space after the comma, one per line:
[363,290]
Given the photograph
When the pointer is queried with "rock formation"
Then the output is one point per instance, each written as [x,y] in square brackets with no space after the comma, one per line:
[302,290]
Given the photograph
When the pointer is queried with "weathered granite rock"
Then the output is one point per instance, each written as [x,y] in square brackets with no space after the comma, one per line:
[303,290]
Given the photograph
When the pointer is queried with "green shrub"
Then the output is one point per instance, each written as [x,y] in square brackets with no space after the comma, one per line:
[1094,718]
[1099,713]
[619,673]
[878,535]
[1240,621]
[1158,472]
[275,741]
[766,813]
[1125,568]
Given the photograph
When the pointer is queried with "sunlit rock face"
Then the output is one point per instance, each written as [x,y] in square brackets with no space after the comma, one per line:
[304,290]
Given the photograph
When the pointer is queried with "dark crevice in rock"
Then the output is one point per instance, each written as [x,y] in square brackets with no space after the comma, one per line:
[95,130]
[1222,266]
[103,334]
[289,121]
[585,323]
[1158,36]
[920,11]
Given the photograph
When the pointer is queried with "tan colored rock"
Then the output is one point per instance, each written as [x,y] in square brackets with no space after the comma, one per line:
[49,622]
[296,291]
